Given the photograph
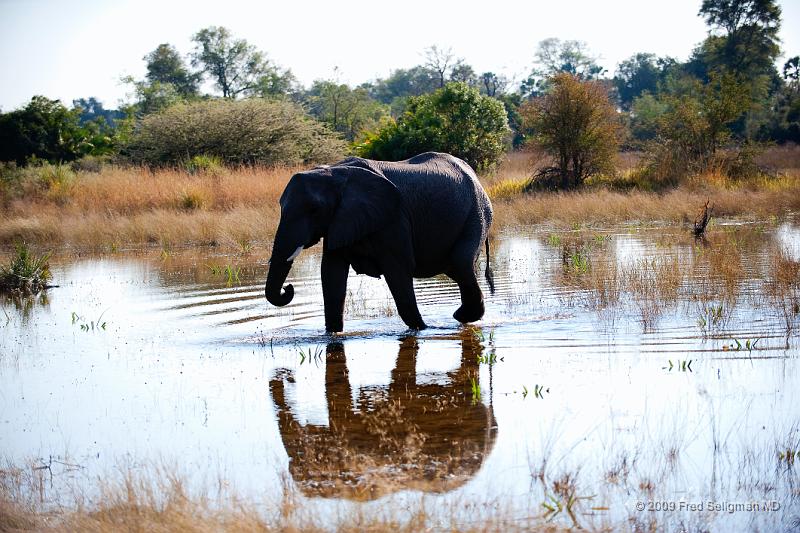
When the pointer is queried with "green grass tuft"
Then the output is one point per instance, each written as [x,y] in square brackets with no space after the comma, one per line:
[26,273]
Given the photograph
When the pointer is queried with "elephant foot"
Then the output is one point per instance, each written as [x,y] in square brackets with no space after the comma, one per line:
[466,314]
[334,325]
[418,326]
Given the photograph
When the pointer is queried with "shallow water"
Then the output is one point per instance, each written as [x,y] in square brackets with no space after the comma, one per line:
[136,360]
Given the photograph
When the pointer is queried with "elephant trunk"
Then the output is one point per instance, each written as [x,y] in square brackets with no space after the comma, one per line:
[278,270]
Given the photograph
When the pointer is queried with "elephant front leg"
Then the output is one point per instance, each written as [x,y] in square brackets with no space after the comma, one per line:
[334,288]
[401,285]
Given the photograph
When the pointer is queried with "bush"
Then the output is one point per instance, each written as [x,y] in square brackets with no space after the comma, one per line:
[38,179]
[578,126]
[193,199]
[693,127]
[90,163]
[248,132]
[455,119]
[26,274]
[203,164]
[45,129]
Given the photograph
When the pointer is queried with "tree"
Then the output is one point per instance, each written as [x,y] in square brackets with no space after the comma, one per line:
[440,61]
[492,84]
[456,119]
[791,73]
[464,73]
[91,109]
[43,129]
[635,75]
[748,44]
[151,97]
[249,131]
[235,66]
[694,125]
[646,112]
[783,123]
[578,125]
[554,56]
[348,111]
[165,65]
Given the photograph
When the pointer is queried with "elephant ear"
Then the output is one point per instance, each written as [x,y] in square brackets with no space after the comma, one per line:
[369,203]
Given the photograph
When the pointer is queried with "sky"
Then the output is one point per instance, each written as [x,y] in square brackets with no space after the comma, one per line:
[81,48]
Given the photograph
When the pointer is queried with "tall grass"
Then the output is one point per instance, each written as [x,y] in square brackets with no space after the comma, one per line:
[135,206]
[218,205]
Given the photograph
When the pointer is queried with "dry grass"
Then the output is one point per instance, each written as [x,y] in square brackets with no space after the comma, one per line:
[601,203]
[783,286]
[134,206]
[120,207]
[601,206]
[708,277]
[160,501]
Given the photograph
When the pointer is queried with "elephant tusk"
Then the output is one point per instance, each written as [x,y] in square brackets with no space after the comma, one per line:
[295,254]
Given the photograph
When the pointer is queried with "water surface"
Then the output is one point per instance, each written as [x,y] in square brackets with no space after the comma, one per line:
[685,395]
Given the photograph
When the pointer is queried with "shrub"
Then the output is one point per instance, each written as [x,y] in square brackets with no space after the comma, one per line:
[193,199]
[578,126]
[90,163]
[253,131]
[38,179]
[456,119]
[26,274]
[203,163]
[691,129]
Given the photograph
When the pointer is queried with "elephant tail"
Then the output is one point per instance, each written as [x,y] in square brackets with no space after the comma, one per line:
[488,272]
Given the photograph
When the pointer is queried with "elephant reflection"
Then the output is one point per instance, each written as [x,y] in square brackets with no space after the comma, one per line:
[424,436]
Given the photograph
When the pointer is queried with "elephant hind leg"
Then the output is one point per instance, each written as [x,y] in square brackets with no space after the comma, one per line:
[462,271]
[472,307]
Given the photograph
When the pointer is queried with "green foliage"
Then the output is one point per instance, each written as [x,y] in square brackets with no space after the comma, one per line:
[694,126]
[252,131]
[492,84]
[46,129]
[26,273]
[749,43]
[577,125]
[554,56]
[236,67]
[203,163]
[456,119]
[783,123]
[464,73]
[647,112]
[92,110]
[39,179]
[402,84]
[638,74]
[351,112]
[151,97]
[165,66]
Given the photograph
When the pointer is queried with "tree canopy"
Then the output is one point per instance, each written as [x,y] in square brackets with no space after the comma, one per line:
[235,66]
[456,119]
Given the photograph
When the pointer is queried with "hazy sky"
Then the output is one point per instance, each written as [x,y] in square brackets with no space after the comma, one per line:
[80,48]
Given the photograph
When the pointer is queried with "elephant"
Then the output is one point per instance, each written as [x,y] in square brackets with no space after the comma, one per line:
[413,435]
[418,218]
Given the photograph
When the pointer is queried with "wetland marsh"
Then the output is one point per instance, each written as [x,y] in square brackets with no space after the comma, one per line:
[614,368]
